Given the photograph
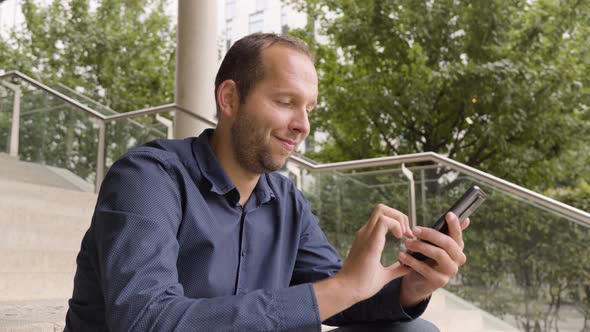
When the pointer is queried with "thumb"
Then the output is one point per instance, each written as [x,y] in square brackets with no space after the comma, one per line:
[397,270]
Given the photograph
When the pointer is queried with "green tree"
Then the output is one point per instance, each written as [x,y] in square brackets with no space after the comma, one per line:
[499,85]
[119,53]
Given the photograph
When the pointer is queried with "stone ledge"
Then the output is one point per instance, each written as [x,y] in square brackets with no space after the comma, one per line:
[33,316]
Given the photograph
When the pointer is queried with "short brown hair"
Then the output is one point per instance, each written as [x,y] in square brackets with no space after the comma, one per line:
[243,61]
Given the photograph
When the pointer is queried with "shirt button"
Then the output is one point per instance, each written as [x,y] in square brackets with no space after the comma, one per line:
[243,254]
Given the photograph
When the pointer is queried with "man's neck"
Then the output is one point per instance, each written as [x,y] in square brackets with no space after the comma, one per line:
[244,180]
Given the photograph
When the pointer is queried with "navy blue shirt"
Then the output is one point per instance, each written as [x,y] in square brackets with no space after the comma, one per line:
[171,249]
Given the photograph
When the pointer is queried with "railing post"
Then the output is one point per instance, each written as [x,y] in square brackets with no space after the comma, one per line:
[423,195]
[100,155]
[411,195]
[14,131]
[169,125]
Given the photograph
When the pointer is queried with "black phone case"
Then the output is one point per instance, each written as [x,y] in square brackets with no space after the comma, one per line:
[463,208]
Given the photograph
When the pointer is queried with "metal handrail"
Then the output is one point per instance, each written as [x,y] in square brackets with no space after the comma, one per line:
[432,157]
[86,98]
[56,93]
[306,163]
[101,119]
[100,116]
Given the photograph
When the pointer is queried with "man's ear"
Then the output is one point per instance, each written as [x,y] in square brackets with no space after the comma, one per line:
[228,98]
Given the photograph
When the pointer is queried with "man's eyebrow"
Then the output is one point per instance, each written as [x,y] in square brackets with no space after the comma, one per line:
[279,90]
[287,92]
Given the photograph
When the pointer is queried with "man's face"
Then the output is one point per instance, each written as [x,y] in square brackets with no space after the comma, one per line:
[273,120]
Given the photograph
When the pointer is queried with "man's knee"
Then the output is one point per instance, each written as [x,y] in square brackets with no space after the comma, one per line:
[417,325]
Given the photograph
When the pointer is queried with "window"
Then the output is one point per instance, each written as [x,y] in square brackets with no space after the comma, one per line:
[284,25]
[228,33]
[230,9]
[256,22]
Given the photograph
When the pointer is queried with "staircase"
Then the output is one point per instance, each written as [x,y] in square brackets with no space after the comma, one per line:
[43,216]
[451,313]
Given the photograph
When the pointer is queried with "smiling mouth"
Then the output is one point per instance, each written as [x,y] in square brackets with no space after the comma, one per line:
[288,144]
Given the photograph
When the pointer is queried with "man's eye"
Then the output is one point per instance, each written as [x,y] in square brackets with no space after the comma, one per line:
[284,103]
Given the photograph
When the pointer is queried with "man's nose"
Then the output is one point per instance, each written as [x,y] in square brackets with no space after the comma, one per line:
[300,122]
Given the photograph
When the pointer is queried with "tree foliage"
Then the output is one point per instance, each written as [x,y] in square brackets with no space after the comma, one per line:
[499,85]
[120,53]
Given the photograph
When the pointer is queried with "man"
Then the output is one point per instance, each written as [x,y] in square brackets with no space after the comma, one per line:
[201,233]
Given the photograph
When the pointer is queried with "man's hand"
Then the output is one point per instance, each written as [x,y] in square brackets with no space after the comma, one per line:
[362,274]
[445,257]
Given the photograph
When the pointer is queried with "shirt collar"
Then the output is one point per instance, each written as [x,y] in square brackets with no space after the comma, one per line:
[220,183]
[263,191]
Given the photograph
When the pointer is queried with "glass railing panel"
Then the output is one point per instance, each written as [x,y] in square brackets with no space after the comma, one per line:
[526,264]
[57,134]
[125,134]
[82,99]
[6,102]
[343,203]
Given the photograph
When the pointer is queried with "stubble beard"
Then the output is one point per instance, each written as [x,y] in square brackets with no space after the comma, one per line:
[250,148]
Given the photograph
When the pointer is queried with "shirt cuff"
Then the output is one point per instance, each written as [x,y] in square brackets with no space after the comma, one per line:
[393,291]
[298,308]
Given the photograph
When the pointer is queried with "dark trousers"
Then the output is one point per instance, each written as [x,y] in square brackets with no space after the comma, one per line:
[417,325]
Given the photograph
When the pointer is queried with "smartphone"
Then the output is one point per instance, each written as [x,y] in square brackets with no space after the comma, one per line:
[463,208]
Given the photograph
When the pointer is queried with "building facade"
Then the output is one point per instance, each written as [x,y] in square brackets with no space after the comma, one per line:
[242,17]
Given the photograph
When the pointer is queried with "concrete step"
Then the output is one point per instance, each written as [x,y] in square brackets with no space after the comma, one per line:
[455,320]
[33,316]
[6,156]
[39,196]
[35,237]
[27,172]
[451,313]
[36,261]
[26,286]
[21,215]
[17,210]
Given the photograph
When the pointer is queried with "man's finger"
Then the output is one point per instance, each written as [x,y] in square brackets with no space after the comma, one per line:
[465,224]
[397,270]
[436,279]
[384,210]
[455,231]
[440,240]
[444,263]
[385,224]
[399,216]
[375,215]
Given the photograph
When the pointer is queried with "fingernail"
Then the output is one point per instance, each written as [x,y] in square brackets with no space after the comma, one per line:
[417,230]
[402,254]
